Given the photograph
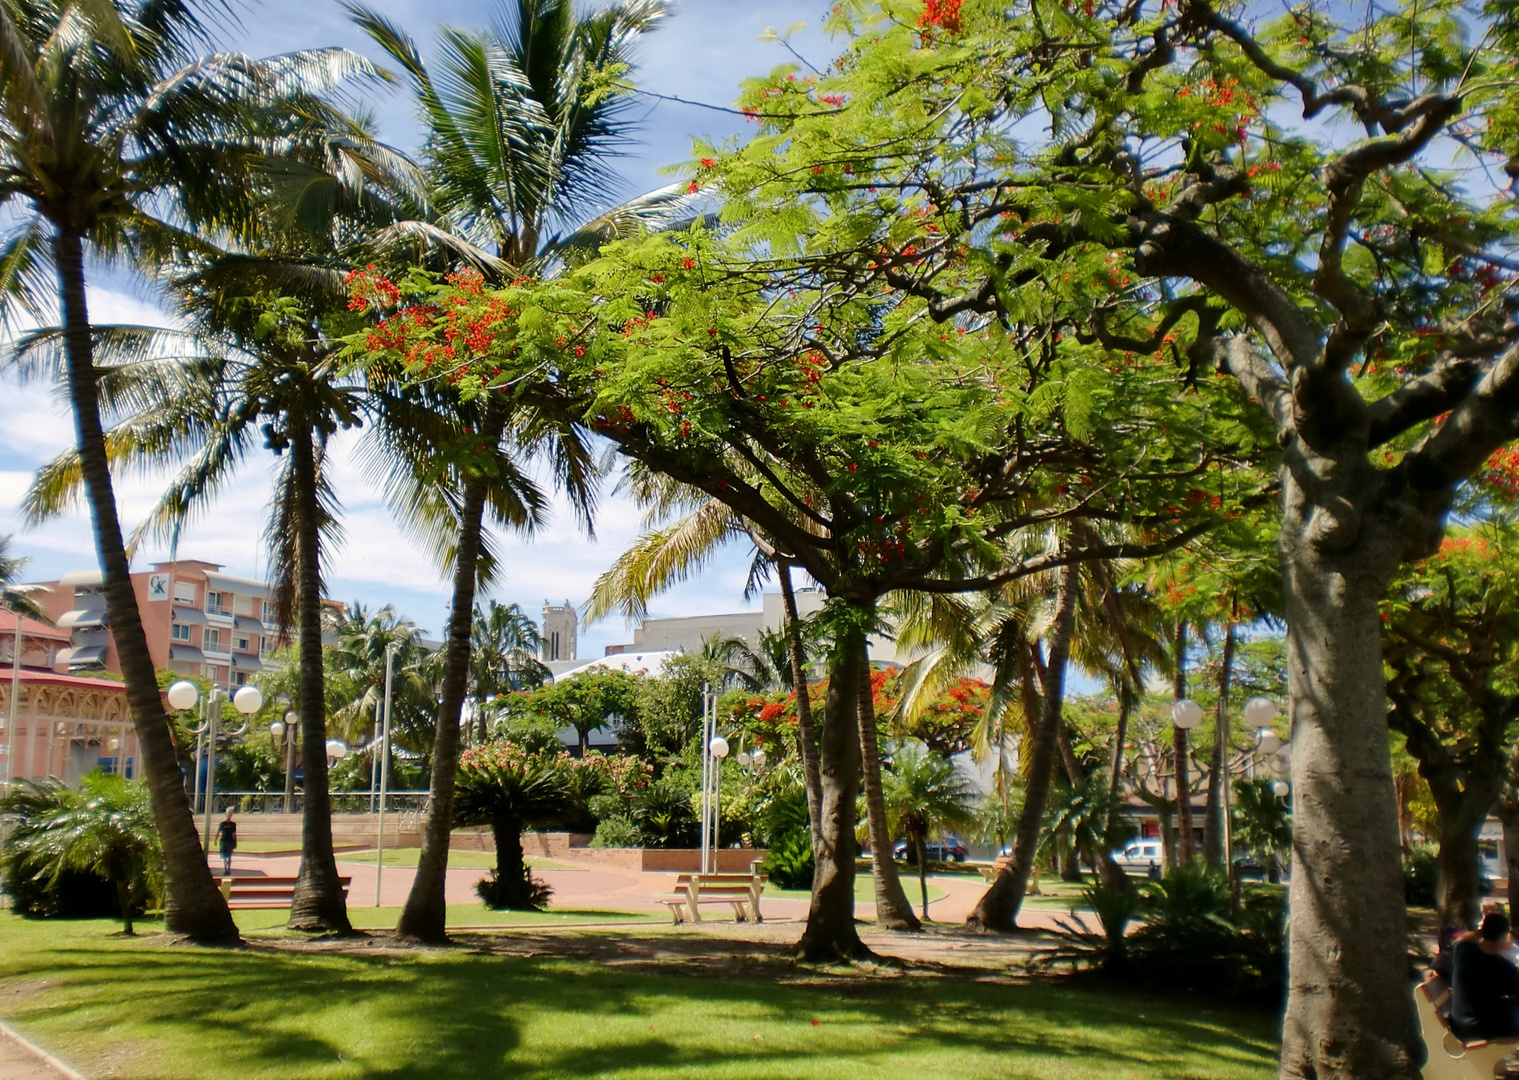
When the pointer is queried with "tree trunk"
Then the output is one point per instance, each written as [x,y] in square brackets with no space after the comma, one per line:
[893,909]
[922,850]
[511,869]
[1179,749]
[1508,813]
[425,915]
[124,902]
[998,908]
[830,933]
[317,903]
[193,905]
[806,735]
[1118,740]
[1213,816]
[1349,1008]
[1458,860]
[1068,753]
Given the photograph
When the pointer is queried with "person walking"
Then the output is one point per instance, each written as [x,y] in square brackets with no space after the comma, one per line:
[226,833]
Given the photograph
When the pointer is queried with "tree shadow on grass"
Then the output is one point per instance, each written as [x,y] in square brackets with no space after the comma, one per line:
[268,1012]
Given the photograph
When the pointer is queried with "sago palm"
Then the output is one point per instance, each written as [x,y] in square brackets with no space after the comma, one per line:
[119,138]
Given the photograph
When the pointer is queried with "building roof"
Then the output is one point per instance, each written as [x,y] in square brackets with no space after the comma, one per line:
[30,628]
[635,663]
[50,678]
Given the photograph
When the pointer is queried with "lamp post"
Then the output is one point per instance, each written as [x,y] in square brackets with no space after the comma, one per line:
[384,751]
[706,774]
[719,749]
[10,723]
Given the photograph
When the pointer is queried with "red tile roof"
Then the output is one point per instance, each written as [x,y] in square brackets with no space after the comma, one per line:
[30,628]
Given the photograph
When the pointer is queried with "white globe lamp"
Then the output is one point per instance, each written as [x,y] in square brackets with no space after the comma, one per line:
[1186,714]
[336,750]
[758,757]
[1280,789]
[743,757]
[248,700]
[1269,741]
[719,747]
[1259,712]
[183,695]
[277,729]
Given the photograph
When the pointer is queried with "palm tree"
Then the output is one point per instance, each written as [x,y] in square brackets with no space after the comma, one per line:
[521,126]
[16,597]
[104,828]
[357,661]
[926,794]
[505,642]
[118,137]
[509,788]
[1262,823]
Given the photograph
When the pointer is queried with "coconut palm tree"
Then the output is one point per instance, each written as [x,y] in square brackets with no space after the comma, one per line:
[105,827]
[926,794]
[357,660]
[14,596]
[505,643]
[118,138]
[522,123]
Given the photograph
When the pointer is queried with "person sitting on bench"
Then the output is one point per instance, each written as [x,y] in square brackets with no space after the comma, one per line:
[1484,985]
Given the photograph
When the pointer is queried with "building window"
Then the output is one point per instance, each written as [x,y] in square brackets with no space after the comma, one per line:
[239,678]
[242,644]
[217,603]
[179,632]
[184,592]
[211,639]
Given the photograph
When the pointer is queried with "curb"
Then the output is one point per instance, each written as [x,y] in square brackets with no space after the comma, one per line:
[60,1067]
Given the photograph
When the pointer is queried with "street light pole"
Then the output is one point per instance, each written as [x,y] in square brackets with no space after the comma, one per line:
[10,724]
[213,706]
[379,858]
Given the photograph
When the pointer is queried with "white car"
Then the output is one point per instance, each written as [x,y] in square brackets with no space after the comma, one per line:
[1137,856]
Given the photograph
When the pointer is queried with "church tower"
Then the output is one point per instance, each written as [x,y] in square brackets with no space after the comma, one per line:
[558,632]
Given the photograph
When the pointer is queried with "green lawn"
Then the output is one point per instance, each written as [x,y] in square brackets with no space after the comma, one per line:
[864,890]
[138,1010]
[372,918]
[408,856]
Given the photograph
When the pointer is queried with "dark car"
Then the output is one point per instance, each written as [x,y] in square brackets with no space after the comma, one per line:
[936,850]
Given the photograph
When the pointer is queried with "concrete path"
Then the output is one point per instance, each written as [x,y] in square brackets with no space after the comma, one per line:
[22,1060]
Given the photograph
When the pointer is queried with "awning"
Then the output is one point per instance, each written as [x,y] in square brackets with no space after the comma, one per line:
[189,615]
[248,622]
[186,652]
[84,656]
[92,618]
[247,662]
[82,577]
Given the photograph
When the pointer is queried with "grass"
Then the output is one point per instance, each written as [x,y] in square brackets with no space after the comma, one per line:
[255,920]
[408,857]
[138,1010]
[864,890]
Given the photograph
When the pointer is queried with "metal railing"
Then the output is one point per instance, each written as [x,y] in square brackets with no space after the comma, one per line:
[406,804]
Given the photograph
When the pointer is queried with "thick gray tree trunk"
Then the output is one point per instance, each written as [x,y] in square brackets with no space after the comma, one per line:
[830,935]
[1218,765]
[1350,1007]
[893,909]
[806,733]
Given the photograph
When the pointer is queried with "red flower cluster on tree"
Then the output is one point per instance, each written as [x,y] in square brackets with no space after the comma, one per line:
[940,15]
[1501,473]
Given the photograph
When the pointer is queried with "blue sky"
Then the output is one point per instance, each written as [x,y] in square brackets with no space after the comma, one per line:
[700,53]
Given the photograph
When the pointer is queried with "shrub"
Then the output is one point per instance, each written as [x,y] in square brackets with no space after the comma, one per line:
[617,832]
[501,894]
[1421,876]
[790,862]
[665,815]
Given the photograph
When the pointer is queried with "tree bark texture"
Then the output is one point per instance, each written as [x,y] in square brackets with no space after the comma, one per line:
[193,905]
[1184,847]
[893,909]
[318,902]
[1350,1011]
[511,872]
[1218,766]
[806,734]
[998,908]
[830,934]
[425,915]
[1459,882]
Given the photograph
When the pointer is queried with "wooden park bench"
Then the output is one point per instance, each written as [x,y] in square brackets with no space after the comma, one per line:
[742,891]
[1000,863]
[1451,1057]
[263,892]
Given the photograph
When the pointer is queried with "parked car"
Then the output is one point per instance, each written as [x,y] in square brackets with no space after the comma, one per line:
[1138,856]
[936,850]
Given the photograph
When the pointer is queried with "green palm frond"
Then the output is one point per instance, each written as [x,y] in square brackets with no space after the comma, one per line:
[661,558]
